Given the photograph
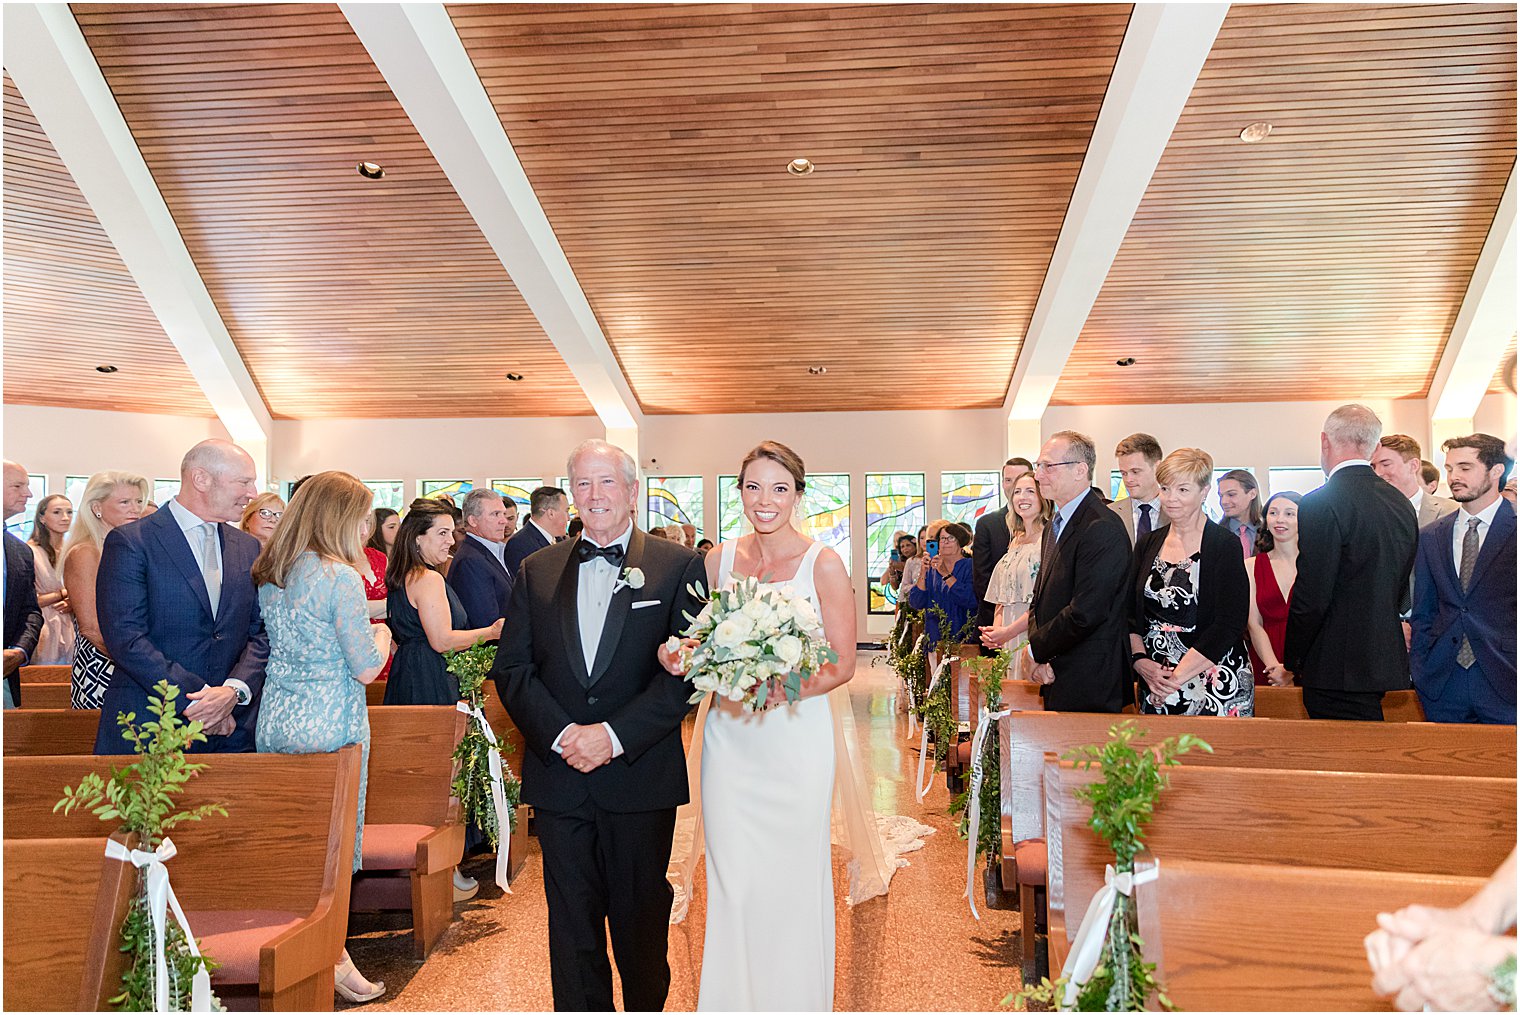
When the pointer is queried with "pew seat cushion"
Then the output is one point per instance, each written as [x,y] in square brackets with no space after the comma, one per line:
[1030,858]
[233,938]
[392,847]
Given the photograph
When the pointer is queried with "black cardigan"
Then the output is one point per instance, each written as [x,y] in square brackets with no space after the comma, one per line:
[1224,592]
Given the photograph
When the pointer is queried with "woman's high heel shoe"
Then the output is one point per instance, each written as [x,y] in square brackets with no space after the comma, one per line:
[363,990]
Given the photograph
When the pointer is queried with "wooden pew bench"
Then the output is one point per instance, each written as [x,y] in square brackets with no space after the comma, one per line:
[33,732]
[1248,937]
[1285,817]
[1288,703]
[413,838]
[65,901]
[50,696]
[46,674]
[266,888]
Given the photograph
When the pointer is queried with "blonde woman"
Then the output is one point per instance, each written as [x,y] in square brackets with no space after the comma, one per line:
[322,647]
[1012,585]
[261,516]
[111,499]
[55,646]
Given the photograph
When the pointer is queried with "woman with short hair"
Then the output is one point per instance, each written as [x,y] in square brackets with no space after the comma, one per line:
[945,581]
[261,516]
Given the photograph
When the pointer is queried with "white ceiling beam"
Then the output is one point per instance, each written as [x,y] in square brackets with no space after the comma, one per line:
[1163,52]
[418,50]
[1485,323]
[50,61]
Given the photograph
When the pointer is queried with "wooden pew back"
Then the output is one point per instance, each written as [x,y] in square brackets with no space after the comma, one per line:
[46,674]
[51,696]
[1288,703]
[1248,937]
[31,732]
[411,763]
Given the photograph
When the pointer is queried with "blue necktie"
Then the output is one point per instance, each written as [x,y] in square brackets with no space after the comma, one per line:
[1143,527]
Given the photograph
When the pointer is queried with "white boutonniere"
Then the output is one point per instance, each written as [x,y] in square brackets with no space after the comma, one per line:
[632,578]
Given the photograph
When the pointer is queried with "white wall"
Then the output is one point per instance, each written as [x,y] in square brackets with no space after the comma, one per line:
[79,442]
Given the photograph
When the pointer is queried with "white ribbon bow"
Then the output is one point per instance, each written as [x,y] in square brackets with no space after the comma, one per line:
[920,787]
[974,802]
[1083,957]
[161,898]
[498,798]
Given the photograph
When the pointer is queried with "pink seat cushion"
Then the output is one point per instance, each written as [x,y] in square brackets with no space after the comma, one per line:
[233,937]
[391,847]
[1030,857]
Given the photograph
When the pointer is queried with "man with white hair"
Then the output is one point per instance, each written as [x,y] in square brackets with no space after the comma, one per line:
[1356,547]
[176,602]
[23,617]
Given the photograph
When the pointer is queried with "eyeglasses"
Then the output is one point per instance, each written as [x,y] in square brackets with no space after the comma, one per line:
[270,516]
[1047,466]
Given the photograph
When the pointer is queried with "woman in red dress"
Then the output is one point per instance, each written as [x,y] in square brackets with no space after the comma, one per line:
[375,589]
[1273,571]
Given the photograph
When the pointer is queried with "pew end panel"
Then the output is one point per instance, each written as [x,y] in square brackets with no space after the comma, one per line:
[37,732]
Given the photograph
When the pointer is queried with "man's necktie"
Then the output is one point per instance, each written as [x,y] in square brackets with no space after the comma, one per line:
[1465,656]
[585,551]
[1246,542]
[211,565]
[1143,527]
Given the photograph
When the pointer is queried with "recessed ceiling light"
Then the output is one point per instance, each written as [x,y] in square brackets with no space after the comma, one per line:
[799,167]
[1256,133]
[514,376]
[818,371]
[371,170]
[1127,361]
[106,368]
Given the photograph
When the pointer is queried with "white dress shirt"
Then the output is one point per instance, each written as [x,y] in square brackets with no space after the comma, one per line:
[498,550]
[1070,508]
[596,580]
[192,526]
[1459,531]
[1347,464]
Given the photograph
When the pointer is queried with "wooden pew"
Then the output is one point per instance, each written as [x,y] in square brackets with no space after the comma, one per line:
[413,837]
[34,732]
[46,674]
[62,925]
[266,888]
[966,701]
[51,696]
[1247,937]
[1288,703]
[1353,820]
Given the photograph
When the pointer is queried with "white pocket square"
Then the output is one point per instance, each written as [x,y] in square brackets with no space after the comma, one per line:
[646,602]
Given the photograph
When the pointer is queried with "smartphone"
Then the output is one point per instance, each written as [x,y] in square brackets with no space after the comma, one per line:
[931,547]
[896,557]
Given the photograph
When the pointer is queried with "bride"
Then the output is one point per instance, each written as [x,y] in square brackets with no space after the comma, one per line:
[767,778]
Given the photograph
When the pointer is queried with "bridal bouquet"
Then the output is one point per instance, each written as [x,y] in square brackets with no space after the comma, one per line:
[752,634]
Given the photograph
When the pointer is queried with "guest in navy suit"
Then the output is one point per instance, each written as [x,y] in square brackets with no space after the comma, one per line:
[1462,641]
[479,575]
[23,617]
[176,601]
[548,518]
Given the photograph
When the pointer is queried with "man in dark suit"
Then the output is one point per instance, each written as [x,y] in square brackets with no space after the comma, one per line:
[1462,649]
[548,517]
[1078,621]
[578,670]
[989,544]
[479,574]
[1356,542]
[176,601]
[23,617]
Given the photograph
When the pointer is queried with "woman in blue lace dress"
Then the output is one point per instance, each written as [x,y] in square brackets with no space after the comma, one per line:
[322,647]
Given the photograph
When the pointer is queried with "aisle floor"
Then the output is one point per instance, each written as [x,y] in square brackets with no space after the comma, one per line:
[917,949]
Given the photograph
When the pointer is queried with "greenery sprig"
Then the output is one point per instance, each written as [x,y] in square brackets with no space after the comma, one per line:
[989,673]
[472,781]
[140,798]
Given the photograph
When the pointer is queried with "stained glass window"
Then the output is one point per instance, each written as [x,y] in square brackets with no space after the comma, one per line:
[894,502]
[674,500]
[455,488]
[563,482]
[825,511]
[1116,490]
[164,490]
[969,495]
[389,493]
[519,490]
[731,521]
[74,487]
[1299,478]
[21,525]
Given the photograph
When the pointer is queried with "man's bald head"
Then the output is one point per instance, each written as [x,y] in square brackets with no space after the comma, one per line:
[217,480]
[18,488]
[215,456]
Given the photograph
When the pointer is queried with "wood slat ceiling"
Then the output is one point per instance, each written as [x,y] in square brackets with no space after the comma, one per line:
[70,303]
[947,140]
[346,297]
[1329,261]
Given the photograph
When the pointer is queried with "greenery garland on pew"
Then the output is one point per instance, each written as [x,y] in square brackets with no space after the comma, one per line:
[908,660]
[989,672]
[1122,803]
[141,798]
[472,783]
[936,710]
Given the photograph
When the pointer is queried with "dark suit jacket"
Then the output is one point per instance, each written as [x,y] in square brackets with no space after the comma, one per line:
[1224,592]
[989,544]
[540,672]
[155,617]
[1356,542]
[1079,620]
[483,586]
[23,617]
[524,541]
[1485,613]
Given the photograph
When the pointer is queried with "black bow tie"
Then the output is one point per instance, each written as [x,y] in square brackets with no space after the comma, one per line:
[585,551]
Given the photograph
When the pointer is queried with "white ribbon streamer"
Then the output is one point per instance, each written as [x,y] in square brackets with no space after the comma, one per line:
[160,899]
[920,786]
[974,802]
[1085,951]
[918,647]
[498,798]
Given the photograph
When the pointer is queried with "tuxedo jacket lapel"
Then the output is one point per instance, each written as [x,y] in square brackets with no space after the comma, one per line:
[566,603]
[177,547]
[618,608]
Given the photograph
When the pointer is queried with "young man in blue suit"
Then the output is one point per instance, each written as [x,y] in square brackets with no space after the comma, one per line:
[176,601]
[1462,641]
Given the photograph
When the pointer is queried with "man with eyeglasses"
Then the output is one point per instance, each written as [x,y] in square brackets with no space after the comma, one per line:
[1077,618]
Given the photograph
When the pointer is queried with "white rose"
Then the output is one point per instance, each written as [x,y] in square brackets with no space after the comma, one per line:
[784,614]
[788,592]
[789,648]
[754,609]
[634,577]
[735,694]
[731,632]
[806,615]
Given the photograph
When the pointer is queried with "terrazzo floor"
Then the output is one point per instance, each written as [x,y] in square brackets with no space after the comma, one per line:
[916,949]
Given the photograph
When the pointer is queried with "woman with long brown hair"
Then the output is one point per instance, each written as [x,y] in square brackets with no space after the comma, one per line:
[1012,584]
[55,646]
[322,647]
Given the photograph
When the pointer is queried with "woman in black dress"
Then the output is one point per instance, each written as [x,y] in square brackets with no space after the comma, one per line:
[1191,600]
[426,617]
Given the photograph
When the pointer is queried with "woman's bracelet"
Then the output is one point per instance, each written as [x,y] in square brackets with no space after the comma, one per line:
[1501,983]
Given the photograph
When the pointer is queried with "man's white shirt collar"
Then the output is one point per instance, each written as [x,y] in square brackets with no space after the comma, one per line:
[186,518]
[543,531]
[1346,464]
